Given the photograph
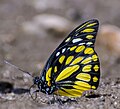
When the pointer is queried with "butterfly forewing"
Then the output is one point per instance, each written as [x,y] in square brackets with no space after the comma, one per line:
[74,65]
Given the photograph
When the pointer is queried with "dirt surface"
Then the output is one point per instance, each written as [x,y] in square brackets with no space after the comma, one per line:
[27,42]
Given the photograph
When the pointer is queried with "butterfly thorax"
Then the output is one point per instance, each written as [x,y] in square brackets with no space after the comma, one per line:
[47,87]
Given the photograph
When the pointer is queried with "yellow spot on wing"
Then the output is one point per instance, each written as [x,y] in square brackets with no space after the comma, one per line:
[68,39]
[69,92]
[82,26]
[89,36]
[87,60]
[95,57]
[77,60]
[69,59]
[87,30]
[89,50]
[82,85]
[49,83]
[74,92]
[95,79]
[92,24]
[93,87]
[87,68]
[55,69]
[62,93]
[96,67]
[72,48]
[84,77]
[61,59]
[48,74]
[67,72]
[79,88]
[80,48]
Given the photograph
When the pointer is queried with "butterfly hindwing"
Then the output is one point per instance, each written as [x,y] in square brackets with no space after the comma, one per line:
[74,65]
[84,77]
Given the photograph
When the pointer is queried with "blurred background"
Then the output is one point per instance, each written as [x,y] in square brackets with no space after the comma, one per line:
[30,30]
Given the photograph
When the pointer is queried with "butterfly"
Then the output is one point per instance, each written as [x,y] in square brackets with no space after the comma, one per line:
[74,66]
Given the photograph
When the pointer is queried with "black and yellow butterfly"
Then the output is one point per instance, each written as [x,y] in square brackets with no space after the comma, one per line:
[74,66]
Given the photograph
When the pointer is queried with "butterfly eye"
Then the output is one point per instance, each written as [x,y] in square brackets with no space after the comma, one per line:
[36,80]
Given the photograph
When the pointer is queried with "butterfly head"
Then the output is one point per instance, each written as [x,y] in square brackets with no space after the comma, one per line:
[36,80]
[43,85]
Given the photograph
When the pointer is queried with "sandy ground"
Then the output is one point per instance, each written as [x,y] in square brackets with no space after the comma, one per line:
[30,51]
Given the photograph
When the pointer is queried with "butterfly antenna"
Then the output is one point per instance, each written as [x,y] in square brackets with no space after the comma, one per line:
[5,61]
